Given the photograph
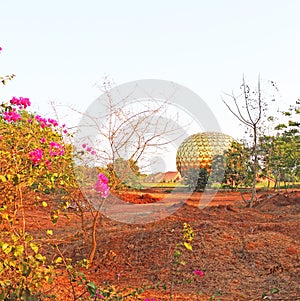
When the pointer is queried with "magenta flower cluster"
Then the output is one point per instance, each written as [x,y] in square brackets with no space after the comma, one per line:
[89,149]
[36,156]
[12,116]
[199,273]
[56,149]
[101,186]
[21,102]
[46,122]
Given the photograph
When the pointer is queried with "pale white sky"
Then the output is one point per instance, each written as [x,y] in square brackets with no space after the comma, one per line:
[60,49]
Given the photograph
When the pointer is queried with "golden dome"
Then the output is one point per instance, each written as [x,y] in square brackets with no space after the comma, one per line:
[198,150]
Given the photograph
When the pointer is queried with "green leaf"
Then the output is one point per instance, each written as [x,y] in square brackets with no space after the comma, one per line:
[19,249]
[274,290]
[14,237]
[50,232]
[188,246]
[49,279]
[34,247]
[6,248]
[177,253]
[92,288]
[58,260]
[40,257]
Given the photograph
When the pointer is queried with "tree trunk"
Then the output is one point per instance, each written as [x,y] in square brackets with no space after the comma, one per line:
[255,167]
[94,238]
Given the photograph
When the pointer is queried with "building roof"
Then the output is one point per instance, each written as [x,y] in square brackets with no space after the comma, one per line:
[169,176]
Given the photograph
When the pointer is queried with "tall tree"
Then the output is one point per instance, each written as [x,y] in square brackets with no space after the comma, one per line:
[249,108]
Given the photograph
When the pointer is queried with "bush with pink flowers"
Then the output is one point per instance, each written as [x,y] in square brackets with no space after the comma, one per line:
[34,160]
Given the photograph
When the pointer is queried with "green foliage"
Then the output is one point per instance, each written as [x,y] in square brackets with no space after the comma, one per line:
[197,178]
[22,182]
[124,174]
[18,140]
[185,244]
[179,260]
[217,169]
[238,168]
[22,268]
[281,153]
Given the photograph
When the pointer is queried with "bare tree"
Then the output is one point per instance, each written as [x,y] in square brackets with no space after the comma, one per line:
[119,126]
[249,108]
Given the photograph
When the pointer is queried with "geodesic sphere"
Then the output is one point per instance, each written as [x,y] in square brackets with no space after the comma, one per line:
[198,150]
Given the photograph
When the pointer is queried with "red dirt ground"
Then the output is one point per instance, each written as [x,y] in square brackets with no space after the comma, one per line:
[243,252]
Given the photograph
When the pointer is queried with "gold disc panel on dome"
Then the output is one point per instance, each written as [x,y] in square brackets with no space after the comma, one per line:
[198,150]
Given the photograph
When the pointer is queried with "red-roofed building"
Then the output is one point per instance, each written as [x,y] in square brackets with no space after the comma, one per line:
[167,177]
[171,176]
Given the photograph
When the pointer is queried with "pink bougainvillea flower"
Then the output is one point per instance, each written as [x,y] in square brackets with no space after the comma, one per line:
[102,178]
[36,156]
[46,122]
[56,149]
[199,273]
[0,49]
[83,145]
[29,120]
[89,149]
[52,121]
[1,137]
[11,116]
[21,102]
[43,140]
[41,120]
[101,186]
